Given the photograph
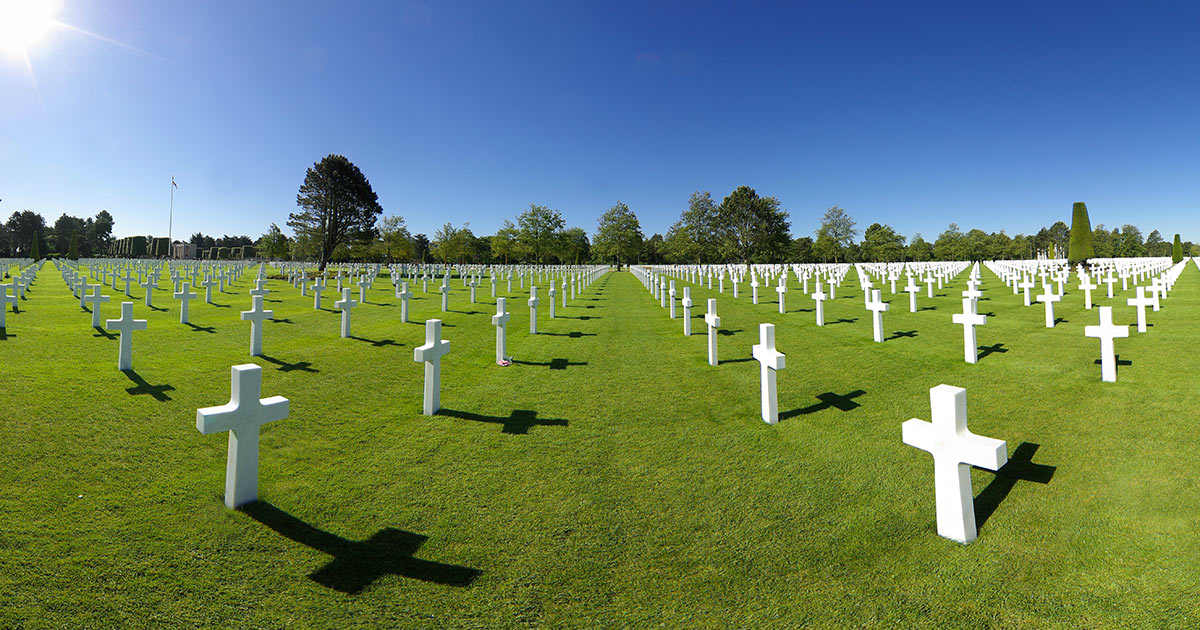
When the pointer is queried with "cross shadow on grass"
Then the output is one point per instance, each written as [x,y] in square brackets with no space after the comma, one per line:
[843,320]
[726,331]
[908,334]
[1059,320]
[141,387]
[553,364]
[284,366]
[517,423]
[581,317]
[926,308]
[207,329]
[828,399]
[157,308]
[101,332]
[377,343]
[575,334]
[742,360]
[280,320]
[5,335]
[219,305]
[357,564]
[992,349]
[1020,467]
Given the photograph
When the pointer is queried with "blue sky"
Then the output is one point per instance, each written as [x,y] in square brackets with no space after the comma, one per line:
[991,115]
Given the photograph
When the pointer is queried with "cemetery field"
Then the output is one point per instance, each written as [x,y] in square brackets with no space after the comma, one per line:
[609,478]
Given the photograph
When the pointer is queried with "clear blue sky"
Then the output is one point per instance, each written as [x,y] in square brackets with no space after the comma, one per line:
[995,115]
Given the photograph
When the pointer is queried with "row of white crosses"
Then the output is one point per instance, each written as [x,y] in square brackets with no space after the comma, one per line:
[246,413]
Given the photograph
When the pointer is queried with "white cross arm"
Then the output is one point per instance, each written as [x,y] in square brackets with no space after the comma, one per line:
[769,357]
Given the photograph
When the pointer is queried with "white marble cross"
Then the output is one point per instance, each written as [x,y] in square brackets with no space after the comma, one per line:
[770,360]
[128,280]
[431,354]
[242,416]
[819,297]
[185,297]
[713,322]
[127,324]
[1141,302]
[344,305]
[95,298]
[671,297]
[877,307]
[1048,298]
[955,449]
[754,289]
[533,304]
[318,286]
[1026,285]
[969,320]
[445,291]
[363,283]
[1106,332]
[1087,286]
[912,290]
[404,294]
[687,311]
[500,321]
[552,294]
[256,315]
[208,285]
[260,288]
[782,291]
[150,285]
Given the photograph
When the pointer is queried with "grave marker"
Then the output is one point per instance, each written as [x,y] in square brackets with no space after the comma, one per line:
[242,417]
[955,449]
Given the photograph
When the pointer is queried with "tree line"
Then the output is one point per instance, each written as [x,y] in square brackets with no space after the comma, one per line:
[340,219]
[26,235]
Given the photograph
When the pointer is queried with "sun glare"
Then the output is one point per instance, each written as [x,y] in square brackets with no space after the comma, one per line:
[24,23]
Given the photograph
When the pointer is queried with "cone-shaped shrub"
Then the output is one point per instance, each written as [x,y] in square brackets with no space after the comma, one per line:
[1080,248]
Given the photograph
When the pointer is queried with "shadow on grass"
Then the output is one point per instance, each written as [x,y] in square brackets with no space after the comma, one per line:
[996,348]
[141,387]
[157,308]
[1120,362]
[219,305]
[725,331]
[575,334]
[1059,320]
[743,360]
[828,400]
[553,364]
[208,329]
[356,564]
[5,335]
[281,320]
[377,343]
[580,317]
[101,332]
[843,320]
[908,334]
[1020,467]
[284,366]
[517,423]
[926,308]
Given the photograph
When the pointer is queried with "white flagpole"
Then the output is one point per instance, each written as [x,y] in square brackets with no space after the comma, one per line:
[171,222]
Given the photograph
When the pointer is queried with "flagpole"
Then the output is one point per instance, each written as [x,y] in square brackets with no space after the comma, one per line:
[171,222]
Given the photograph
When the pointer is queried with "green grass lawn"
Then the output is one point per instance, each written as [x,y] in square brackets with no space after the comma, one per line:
[610,478]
